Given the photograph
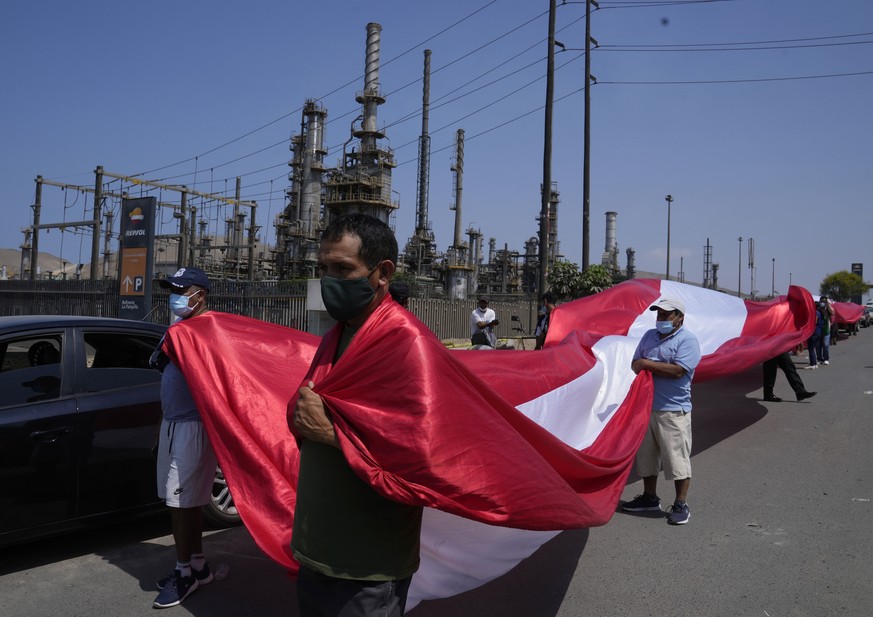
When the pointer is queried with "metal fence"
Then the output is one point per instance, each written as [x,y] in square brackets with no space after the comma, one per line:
[450,319]
[281,303]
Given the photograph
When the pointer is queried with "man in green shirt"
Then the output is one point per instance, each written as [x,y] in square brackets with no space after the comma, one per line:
[357,549]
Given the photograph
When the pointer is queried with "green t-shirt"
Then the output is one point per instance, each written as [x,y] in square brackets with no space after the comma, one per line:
[345,529]
[342,527]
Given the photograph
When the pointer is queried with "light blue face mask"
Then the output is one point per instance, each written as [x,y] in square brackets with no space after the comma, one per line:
[664,327]
[179,305]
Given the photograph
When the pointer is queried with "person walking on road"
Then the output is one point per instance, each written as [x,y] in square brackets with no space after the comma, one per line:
[815,339]
[784,362]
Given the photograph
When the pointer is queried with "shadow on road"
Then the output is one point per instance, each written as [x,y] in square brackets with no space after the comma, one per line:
[536,586]
[722,409]
[36,553]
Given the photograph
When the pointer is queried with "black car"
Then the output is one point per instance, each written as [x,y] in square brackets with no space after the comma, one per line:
[79,417]
[866,317]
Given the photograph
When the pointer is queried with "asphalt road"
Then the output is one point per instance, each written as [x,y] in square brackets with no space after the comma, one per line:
[781,525]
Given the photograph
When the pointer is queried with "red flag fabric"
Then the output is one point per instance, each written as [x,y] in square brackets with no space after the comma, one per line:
[504,447]
[242,372]
[424,429]
[848,313]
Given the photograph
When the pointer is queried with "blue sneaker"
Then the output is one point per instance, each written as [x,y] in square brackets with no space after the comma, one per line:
[175,590]
[679,513]
[204,577]
[643,503]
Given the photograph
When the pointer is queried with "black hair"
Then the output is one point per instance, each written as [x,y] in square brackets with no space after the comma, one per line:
[549,297]
[377,240]
[399,290]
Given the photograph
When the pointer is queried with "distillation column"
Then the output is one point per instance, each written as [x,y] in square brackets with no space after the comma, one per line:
[420,248]
[362,183]
[459,275]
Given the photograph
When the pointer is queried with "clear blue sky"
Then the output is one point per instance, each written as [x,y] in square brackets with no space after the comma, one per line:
[776,145]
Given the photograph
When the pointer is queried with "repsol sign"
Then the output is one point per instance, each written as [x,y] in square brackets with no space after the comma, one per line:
[137,222]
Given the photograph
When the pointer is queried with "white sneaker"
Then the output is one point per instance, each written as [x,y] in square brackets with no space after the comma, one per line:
[811,367]
[825,362]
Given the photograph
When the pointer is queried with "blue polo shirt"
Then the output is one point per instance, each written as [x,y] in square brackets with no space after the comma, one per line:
[680,348]
[177,403]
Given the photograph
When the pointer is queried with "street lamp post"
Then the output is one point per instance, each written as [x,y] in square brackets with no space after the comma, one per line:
[773,281]
[669,199]
[547,156]
[740,268]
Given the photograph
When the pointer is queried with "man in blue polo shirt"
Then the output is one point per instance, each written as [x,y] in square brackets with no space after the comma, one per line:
[671,353]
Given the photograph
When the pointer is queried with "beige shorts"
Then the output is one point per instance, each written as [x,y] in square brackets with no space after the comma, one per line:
[186,465]
[667,444]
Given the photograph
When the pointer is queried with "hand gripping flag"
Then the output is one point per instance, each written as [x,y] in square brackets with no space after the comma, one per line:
[505,448]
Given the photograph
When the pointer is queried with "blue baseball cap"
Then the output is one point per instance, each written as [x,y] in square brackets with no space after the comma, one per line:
[185,277]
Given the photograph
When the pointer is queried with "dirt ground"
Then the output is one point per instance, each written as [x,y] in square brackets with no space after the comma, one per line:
[515,342]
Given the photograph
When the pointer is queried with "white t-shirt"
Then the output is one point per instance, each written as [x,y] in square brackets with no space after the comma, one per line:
[488,315]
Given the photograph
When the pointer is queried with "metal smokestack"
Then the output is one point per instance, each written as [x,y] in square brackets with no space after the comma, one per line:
[313,166]
[610,232]
[458,168]
[371,84]
[610,250]
[421,224]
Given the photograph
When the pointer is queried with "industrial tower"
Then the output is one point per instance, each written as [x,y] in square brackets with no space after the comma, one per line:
[300,224]
[610,250]
[362,182]
[420,250]
[461,263]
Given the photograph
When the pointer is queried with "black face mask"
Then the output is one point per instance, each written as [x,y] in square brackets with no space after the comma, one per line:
[345,299]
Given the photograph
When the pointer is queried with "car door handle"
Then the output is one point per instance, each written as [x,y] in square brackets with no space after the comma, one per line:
[51,435]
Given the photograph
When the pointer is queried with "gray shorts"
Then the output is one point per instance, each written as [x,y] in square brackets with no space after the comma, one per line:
[186,465]
[667,444]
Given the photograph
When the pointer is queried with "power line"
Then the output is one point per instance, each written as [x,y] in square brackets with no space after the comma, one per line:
[640,4]
[800,40]
[501,125]
[492,103]
[357,110]
[731,81]
[335,90]
[636,3]
[643,49]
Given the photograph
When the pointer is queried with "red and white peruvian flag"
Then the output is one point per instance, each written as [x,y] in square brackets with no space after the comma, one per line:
[575,385]
[519,444]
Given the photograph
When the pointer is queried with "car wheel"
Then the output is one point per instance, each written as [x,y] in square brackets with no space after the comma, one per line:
[221,511]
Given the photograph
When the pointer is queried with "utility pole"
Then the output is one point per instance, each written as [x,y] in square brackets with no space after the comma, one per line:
[546,189]
[34,245]
[95,233]
[740,268]
[669,199]
[182,256]
[752,290]
[586,166]
[773,281]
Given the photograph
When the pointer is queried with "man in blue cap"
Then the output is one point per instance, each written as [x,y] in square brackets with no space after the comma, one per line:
[186,461]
